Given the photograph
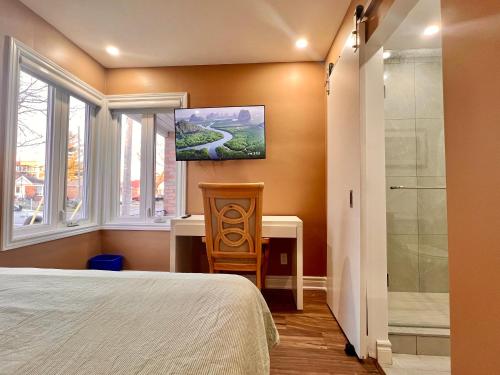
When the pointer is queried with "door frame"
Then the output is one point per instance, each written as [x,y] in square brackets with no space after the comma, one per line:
[373,204]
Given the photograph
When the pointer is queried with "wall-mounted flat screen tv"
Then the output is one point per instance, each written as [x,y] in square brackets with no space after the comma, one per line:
[220,133]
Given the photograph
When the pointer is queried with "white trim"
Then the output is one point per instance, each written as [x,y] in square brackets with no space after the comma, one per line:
[156,227]
[384,352]
[314,283]
[374,246]
[286,282]
[45,69]
[56,234]
[152,102]
[147,104]
[11,97]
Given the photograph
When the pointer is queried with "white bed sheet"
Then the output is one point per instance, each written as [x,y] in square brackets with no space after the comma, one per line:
[98,322]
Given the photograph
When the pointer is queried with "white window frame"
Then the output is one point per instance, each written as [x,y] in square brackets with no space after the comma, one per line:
[101,146]
[147,105]
[23,58]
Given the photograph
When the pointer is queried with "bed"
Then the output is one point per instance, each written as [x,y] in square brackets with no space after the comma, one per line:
[98,322]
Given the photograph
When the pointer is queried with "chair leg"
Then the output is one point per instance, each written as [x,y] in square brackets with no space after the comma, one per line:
[210,262]
[258,279]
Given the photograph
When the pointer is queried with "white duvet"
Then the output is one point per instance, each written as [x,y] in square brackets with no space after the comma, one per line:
[98,322]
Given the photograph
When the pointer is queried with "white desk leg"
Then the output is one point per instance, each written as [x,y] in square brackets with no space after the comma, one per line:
[173,249]
[297,269]
[181,253]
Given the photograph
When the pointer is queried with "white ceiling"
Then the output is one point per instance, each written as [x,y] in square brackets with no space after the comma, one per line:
[195,32]
[409,34]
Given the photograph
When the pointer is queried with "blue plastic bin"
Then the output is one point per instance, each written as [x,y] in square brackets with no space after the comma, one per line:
[106,262]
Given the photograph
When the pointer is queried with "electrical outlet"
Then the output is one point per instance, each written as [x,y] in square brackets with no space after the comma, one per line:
[284,258]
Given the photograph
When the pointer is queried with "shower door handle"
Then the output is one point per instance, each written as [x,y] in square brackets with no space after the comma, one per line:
[400,187]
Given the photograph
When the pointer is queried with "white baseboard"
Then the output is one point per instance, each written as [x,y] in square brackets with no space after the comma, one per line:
[285,282]
[384,352]
[314,283]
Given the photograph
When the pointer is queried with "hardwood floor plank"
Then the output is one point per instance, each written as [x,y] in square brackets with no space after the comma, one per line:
[311,341]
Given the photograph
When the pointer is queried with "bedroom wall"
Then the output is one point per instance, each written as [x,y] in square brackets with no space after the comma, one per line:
[471,81]
[70,252]
[294,171]
[142,250]
[20,22]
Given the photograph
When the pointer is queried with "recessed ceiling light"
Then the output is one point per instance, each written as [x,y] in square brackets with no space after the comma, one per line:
[112,50]
[386,54]
[301,43]
[431,30]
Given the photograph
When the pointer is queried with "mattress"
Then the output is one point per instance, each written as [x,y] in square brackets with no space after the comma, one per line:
[99,322]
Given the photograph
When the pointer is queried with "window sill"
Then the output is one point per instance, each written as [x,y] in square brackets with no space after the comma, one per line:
[130,226]
[54,234]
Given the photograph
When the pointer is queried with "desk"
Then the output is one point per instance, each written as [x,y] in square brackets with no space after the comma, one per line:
[272,227]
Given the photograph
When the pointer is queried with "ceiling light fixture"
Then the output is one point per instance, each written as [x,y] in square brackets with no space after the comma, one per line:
[301,43]
[113,51]
[431,30]
[386,54]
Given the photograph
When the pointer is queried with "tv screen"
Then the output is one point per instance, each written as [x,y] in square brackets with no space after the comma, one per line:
[220,133]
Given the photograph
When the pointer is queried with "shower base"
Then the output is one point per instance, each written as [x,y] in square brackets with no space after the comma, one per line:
[419,323]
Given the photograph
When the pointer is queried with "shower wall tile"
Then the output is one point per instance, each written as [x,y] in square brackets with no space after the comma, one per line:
[401,148]
[402,266]
[428,59]
[430,147]
[435,245]
[433,263]
[399,82]
[431,345]
[434,181]
[415,156]
[431,204]
[428,90]
[402,206]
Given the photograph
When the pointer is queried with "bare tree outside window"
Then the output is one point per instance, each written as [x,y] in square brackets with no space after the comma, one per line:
[75,163]
[32,124]
[32,104]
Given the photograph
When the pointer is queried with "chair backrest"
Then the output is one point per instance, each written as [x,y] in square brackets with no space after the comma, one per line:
[233,221]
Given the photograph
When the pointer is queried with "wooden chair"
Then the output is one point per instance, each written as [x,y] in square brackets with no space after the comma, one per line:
[233,228]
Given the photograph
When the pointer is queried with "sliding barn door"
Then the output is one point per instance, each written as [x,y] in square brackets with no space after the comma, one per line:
[345,286]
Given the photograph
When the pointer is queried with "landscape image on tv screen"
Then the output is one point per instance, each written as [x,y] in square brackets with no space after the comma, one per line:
[223,133]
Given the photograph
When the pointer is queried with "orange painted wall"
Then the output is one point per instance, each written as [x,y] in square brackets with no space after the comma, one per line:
[70,252]
[142,250]
[471,84]
[18,21]
[294,171]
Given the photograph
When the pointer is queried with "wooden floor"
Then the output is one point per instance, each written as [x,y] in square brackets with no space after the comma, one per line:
[311,341]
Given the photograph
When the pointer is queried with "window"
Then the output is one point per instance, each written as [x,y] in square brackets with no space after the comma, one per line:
[76,207]
[48,144]
[71,167]
[130,165]
[38,156]
[165,194]
[33,109]
[148,178]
